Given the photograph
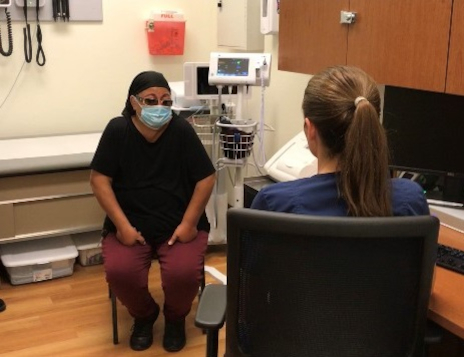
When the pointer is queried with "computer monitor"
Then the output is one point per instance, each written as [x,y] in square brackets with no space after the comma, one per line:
[196,84]
[425,132]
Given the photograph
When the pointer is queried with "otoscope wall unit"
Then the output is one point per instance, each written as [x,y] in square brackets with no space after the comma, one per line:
[5,3]
[30,3]
[82,10]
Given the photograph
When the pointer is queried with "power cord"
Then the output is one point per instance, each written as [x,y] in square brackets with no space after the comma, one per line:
[13,85]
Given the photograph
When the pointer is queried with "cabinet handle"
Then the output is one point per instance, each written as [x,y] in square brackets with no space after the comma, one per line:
[347,17]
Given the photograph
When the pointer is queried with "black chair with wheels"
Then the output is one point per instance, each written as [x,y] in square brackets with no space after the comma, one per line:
[322,286]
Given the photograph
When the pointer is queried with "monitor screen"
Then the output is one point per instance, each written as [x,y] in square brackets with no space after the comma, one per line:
[197,87]
[204,88]
[425,131]
[232,67]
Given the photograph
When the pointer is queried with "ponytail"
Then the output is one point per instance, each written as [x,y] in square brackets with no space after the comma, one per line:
[363,164]
[344,105]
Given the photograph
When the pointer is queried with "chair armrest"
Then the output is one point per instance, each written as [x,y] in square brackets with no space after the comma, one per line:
[211,311]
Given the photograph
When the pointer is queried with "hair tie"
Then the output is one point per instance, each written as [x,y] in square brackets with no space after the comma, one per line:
[358,99]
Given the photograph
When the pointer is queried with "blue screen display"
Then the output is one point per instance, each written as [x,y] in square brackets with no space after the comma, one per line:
[233,67]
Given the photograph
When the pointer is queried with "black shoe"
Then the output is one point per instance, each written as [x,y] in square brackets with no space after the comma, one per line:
[2,305]
[174,335]
[142,332]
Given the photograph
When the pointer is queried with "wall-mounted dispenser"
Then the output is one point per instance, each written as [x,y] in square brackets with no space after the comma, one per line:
[270,16]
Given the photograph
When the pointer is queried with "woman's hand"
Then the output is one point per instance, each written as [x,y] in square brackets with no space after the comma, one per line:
[130,236]
[184,233]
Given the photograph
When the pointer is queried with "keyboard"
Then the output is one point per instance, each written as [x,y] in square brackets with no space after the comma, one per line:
[450,258]
[449,204]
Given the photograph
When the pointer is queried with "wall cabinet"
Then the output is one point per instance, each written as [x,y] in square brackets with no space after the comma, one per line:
[400,43]
[455,75]
[43,205]
[238,25]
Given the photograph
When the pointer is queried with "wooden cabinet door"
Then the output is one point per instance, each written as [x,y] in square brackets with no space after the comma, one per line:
[402,42]
[310,35]
[455,75]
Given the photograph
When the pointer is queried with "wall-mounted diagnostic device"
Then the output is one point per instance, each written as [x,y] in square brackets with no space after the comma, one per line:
[30,3]
[5,3]
[239,68]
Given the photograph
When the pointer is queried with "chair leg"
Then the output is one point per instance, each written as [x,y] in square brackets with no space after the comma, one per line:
[200,291]
[212,344]
[202,284]
[433,336]
[114,317]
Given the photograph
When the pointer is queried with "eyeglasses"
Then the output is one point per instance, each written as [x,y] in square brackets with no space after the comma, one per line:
[154,101]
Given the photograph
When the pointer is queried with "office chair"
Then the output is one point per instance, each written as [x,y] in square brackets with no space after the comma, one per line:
[114,308]
[322,286]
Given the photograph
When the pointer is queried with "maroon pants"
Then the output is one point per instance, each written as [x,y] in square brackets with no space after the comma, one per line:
[181,266]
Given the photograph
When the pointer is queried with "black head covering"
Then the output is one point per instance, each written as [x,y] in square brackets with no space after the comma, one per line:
[141,82]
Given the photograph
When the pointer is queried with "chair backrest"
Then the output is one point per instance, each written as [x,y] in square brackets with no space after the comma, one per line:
[327,286]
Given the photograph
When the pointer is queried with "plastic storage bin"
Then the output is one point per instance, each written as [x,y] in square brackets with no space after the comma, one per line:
[89,247]
[38,260]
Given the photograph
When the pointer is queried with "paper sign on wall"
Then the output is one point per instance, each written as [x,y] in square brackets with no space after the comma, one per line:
[166,33]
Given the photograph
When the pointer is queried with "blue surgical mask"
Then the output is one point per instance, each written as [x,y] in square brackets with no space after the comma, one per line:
[155,116]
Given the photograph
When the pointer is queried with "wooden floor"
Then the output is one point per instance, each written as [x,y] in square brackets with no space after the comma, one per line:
[71,316]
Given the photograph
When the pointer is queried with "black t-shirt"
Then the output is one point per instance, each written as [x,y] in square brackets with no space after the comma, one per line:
[153,182]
